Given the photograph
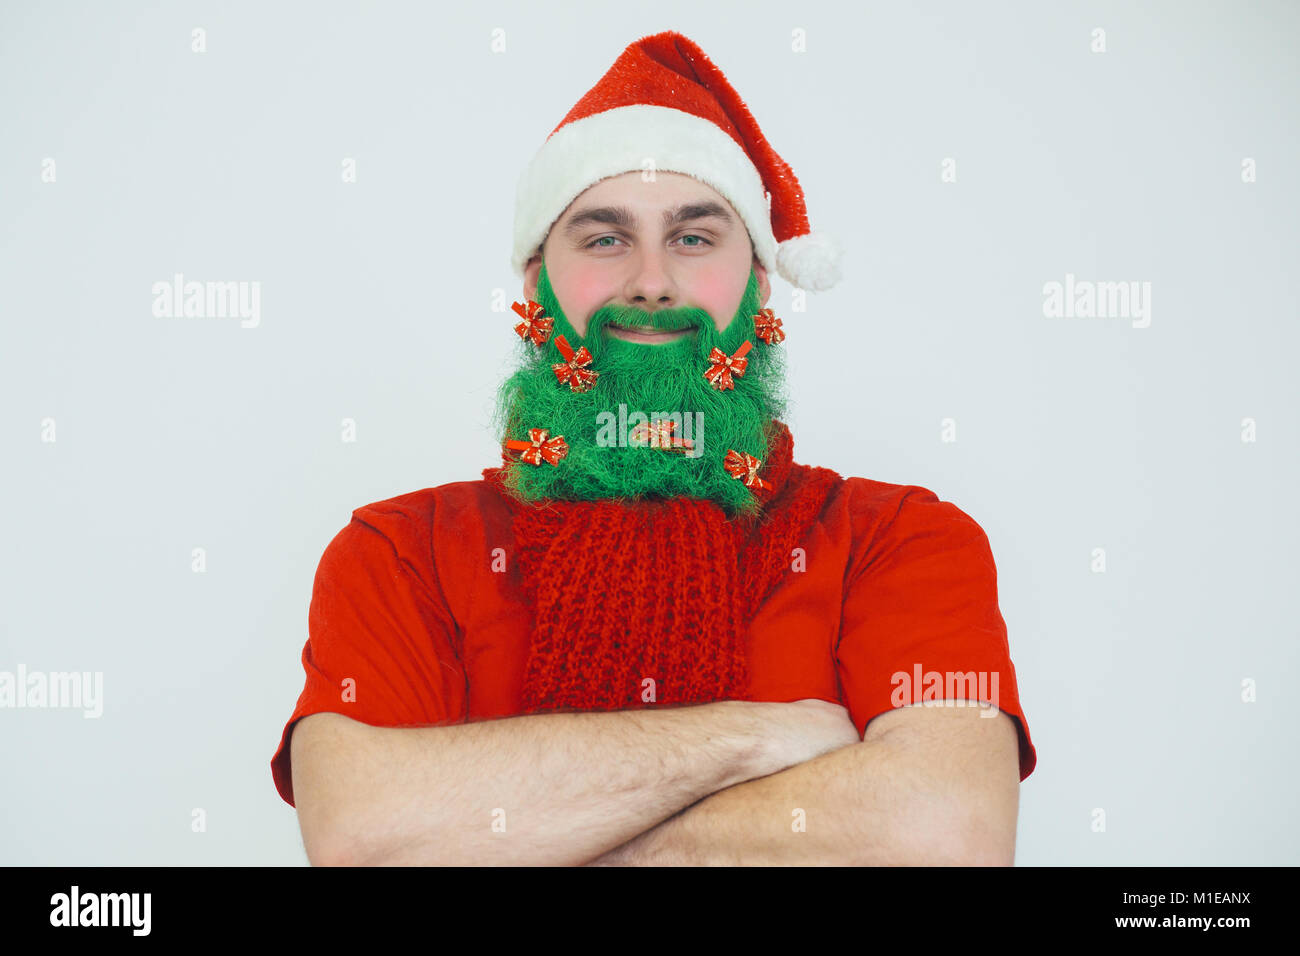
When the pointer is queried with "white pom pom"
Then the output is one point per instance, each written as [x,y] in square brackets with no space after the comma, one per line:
[809,262]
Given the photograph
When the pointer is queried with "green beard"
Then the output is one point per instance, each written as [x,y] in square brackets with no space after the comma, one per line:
[649,382]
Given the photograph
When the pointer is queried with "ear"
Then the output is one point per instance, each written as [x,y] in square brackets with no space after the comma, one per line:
[531,271]
[764,286]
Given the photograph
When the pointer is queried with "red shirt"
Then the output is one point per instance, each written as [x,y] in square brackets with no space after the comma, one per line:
[407,605]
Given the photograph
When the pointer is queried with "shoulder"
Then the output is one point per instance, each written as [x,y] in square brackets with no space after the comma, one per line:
[881,505]
[426,537]
[886,517]
[457,502]
[418,524]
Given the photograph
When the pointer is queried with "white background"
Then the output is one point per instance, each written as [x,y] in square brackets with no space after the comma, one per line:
[1072,434]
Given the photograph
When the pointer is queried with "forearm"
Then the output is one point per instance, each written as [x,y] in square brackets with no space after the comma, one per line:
[544,789]
[863,804]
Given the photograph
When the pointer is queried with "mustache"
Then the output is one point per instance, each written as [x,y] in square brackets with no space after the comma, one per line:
[664,320]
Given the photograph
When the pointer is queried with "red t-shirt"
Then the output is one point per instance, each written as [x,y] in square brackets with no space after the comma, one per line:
[407,605]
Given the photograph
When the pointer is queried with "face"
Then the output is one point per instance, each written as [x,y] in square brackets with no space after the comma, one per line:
[666,244]
[672,259]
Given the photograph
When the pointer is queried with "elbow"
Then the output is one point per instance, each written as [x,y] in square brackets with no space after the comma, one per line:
[993,856]
[335,851]
[973,852]
[324,847]
[970,843]
[957,833]
[956,850]
[339,847]
[334,836]
[346,845]
[974,827]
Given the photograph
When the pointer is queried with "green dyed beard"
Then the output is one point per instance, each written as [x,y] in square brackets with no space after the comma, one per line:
[649,382]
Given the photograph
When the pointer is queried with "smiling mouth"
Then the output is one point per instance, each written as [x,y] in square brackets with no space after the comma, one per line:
[644,333]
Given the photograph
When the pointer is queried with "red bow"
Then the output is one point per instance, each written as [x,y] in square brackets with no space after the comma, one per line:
[570,370]
[535,325]
[722,366]
[540,447]
[744,467]
[660,434]
[768,327]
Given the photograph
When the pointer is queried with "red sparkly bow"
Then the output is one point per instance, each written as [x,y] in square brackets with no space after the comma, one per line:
[659,433]
[535,325]
[768,327]
[722,366]
[540,447]
[570,370]
[744,467]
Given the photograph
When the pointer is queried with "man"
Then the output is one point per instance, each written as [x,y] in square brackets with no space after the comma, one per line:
[650,636]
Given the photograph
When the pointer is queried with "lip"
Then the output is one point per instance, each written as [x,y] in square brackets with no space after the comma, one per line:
[654,337]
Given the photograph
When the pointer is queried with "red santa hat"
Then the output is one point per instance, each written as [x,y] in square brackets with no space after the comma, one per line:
[664,102]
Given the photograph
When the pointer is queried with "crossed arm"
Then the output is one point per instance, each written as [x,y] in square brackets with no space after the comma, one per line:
[926,786]
[760,784]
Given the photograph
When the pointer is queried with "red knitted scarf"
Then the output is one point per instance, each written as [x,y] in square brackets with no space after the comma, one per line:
[662,589]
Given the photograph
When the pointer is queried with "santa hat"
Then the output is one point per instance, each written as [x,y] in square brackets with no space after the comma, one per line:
[664,101]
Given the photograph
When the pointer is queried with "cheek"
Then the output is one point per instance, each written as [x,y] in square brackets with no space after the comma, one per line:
[719,294]
[582,292]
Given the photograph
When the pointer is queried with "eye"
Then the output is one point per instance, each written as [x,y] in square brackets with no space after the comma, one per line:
[695,245]
[594,244]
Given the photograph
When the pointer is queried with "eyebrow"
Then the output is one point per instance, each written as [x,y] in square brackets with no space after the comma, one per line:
[622,216]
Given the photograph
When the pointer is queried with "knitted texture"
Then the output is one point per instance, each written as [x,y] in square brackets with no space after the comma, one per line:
[622,591]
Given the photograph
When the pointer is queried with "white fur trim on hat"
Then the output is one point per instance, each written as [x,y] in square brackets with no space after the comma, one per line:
[628,139]
[809,262]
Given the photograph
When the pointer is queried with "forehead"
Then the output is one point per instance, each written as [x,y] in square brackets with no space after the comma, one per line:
[665,191]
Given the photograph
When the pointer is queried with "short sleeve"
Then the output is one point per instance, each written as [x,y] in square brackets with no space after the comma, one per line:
[381,639]
[920,619]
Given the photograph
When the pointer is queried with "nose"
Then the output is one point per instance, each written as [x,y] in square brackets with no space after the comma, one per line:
[650,285]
